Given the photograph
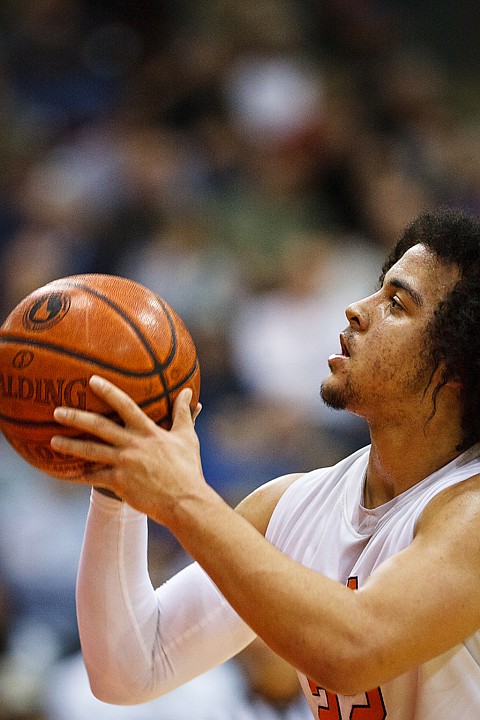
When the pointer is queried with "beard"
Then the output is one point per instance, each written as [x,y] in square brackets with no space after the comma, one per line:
[335,397]
[348,394]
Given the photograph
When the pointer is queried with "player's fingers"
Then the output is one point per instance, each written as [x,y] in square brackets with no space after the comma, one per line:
[86,449]
[181,412]
[196,412]
[119,401]
[87,422]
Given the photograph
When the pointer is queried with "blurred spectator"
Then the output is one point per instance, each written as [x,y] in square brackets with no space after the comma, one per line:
[272,99]
[200,278]
[41,531]
[65,71]
[281,338]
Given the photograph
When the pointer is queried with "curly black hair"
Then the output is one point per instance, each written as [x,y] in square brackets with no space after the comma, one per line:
[454,331]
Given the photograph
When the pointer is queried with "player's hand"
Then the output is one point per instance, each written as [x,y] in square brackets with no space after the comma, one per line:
[149,467]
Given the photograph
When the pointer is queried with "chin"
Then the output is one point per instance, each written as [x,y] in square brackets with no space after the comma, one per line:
[333,396]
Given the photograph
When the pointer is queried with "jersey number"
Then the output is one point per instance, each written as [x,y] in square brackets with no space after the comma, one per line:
[374,709]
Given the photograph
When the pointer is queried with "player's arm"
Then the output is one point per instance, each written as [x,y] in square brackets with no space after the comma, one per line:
[137,642]
[415,606]
[347,641]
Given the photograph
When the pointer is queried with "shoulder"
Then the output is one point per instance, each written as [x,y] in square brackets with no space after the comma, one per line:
[258,507]
[451,520]
[457,504]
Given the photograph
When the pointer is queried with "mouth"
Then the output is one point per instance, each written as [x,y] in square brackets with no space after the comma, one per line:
[337,359]
[343,346]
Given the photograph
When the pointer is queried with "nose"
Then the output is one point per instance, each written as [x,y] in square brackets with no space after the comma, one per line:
[358,315]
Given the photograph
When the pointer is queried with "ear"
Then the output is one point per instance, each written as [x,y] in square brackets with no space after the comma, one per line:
[454,384]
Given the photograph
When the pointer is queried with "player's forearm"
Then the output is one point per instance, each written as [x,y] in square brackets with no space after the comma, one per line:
[113,644]
[310,620]
[139,643]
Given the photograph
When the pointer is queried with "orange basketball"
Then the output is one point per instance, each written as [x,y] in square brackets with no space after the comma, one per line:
[65,332]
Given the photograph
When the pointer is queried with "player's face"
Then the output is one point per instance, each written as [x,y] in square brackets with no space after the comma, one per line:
[384,364]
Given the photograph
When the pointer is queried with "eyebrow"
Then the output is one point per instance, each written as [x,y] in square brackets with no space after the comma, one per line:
[407,288]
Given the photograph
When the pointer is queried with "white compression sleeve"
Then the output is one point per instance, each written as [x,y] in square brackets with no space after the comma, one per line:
[139,643]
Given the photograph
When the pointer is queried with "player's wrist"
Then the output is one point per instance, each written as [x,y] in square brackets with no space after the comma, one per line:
[108,493]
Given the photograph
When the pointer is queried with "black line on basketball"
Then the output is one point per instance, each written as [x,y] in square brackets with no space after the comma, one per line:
[60,350]
[173,389]
[159,367]
[130,321]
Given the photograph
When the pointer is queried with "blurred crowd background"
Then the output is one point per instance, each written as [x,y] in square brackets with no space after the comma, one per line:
[252,161]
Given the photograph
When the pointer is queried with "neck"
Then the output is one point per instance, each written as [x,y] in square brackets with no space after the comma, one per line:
[400,457]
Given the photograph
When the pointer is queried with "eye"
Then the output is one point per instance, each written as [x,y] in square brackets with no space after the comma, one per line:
[395,303]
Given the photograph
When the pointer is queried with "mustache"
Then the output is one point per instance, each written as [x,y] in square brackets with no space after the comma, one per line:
[347,340]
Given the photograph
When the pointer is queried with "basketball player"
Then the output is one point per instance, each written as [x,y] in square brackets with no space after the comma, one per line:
[364,576]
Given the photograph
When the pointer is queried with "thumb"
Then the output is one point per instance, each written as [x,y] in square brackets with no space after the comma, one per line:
[181,406]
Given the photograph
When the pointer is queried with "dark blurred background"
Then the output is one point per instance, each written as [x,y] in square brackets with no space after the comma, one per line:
[252,162]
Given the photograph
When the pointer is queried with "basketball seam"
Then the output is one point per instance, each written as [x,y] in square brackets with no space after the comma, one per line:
[60,350]
[159,367]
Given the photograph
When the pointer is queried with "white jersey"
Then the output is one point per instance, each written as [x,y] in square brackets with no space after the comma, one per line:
[320,522]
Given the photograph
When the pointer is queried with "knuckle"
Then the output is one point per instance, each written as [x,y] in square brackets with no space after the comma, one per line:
[90,448]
